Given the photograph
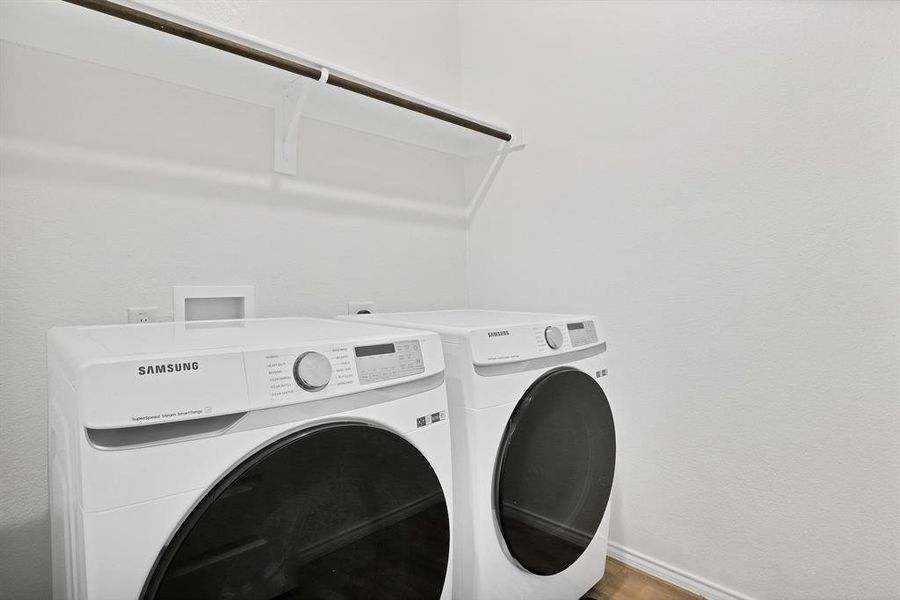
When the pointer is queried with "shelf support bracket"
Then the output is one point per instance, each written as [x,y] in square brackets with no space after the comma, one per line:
[287,123]
[503,150]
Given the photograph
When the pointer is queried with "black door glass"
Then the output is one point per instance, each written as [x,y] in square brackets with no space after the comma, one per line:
[339,512]
[555,471]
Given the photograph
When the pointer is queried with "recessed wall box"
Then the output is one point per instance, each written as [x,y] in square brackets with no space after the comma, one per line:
[212,302]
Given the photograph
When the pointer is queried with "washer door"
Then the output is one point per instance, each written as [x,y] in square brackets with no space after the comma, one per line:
[342,511]
[555,471]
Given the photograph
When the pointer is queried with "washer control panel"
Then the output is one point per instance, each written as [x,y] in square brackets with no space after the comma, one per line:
[528,341]
[380,362]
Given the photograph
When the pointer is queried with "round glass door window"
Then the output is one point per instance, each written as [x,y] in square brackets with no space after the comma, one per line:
[555,471]
[342,511]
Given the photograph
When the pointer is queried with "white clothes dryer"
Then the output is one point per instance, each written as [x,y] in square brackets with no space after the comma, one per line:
[255,459]
[534,450]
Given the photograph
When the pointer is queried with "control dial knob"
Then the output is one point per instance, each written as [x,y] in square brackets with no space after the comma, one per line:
[553,336]
[312,371]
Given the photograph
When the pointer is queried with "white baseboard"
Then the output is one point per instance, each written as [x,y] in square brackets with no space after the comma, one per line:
[676,576]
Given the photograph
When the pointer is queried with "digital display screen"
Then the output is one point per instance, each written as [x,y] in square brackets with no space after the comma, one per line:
[382,362]
[375,350]
[582,333]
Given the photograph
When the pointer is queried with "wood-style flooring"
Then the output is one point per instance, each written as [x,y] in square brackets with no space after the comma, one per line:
[621,582]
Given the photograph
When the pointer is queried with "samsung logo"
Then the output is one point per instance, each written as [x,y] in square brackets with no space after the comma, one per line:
[168,368]
[497,333]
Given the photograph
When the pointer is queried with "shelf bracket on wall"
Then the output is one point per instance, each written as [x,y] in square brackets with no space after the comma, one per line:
[287,122]
[499,155]
[210,57]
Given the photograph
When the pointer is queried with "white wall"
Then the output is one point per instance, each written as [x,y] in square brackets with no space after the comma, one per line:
[115,187]
[719,182]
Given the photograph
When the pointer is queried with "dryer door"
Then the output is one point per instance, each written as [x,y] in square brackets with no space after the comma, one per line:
[340,511]
[555,470]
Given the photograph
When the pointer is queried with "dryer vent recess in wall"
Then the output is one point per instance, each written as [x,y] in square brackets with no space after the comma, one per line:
[212,302]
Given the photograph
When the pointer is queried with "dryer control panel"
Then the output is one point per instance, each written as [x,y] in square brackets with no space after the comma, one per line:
[289,375]
[380,362]
[525,342]
[281,371]
[582,333]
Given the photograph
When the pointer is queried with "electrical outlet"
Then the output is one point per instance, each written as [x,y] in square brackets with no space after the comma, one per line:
[146,314]
[362,307]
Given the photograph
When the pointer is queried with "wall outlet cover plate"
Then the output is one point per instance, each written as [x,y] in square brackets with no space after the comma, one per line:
[146,314]
[360,307]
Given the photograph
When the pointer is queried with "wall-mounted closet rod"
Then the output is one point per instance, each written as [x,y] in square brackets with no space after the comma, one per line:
[220,43]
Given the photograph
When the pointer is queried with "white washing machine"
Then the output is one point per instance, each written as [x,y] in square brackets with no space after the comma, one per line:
[257,459]
[534,450]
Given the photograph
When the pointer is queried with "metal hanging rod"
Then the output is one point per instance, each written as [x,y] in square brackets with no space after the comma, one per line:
[279,62]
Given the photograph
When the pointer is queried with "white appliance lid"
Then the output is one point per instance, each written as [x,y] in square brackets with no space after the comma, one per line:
[466,318]
[174,337]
